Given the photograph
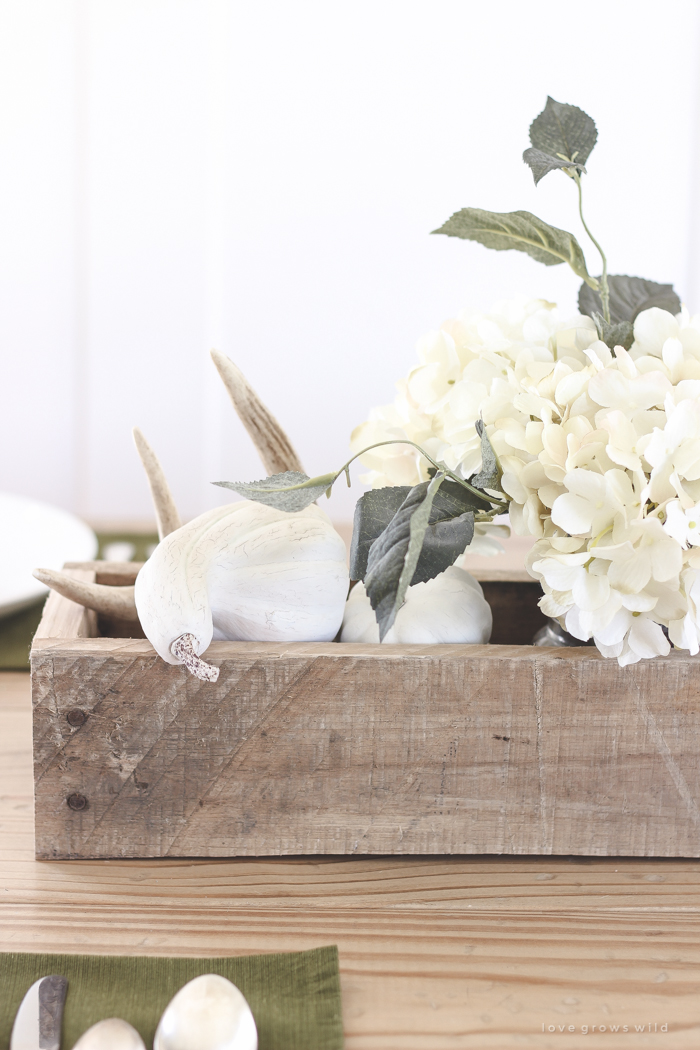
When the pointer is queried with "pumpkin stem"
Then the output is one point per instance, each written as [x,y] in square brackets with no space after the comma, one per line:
[183,649]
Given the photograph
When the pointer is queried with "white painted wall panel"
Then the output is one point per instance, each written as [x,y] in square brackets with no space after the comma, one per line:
[264,177]
[37,231]
[147,243]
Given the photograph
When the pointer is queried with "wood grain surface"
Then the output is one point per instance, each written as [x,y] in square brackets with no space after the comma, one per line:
[319,748]
[451,953]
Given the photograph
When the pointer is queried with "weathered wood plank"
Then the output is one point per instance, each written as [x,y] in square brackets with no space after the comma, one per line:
[120,572]
[323,748]
[496,575]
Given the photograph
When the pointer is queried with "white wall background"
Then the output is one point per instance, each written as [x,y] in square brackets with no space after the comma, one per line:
[262,177]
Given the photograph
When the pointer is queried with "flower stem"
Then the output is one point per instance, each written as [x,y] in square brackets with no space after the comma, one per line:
[604,290]
[503,504]
[599,537]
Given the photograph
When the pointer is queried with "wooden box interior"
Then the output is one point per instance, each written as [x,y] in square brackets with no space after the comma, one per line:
[513,597]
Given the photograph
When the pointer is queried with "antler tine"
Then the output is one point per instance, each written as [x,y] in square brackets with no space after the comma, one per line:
[112,601]
[167,515]
[274,447]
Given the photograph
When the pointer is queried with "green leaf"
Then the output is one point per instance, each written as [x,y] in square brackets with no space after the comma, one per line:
[522,231]
[392,567]
[628,297]
[489,477]
[416,534]
[445,528]
[621,333]
[564,131]
[542,163]
[373,512]
[290,491]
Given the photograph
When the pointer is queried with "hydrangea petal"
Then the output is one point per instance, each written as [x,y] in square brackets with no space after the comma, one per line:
[684,634]
[601,454]
[651,330]
[616,630]
[573,514]
[610,651]
[590,592]
[647,639]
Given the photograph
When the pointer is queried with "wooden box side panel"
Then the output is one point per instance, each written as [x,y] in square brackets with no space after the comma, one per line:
[352,749]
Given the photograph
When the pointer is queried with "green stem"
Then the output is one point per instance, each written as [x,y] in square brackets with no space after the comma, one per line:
[438,466]
[604,290]
[327,481]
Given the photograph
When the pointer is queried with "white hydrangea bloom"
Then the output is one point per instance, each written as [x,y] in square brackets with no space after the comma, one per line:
[600,453]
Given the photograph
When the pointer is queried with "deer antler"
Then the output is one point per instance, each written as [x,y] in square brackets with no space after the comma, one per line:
[276,453]
[274,447]
[112,601]
[119,601]
[167,516]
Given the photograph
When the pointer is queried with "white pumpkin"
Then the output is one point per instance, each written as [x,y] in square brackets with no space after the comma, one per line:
[449,608]
[244,572]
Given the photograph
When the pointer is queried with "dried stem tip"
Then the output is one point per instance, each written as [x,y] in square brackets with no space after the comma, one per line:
[183,650]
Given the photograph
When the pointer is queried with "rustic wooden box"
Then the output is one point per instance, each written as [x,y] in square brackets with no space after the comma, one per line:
[341,749]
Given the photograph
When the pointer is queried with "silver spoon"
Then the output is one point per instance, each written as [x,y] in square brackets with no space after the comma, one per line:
[112,1034]
[208,1013]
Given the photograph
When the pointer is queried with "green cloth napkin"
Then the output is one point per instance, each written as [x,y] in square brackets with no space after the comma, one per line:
[16,632]
[295,997]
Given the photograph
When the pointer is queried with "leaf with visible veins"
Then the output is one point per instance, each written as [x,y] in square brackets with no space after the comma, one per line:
[521,231]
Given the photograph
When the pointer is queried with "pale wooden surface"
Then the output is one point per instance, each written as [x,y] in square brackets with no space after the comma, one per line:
[435,954]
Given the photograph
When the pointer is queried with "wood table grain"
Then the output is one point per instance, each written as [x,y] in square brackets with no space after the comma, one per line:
[478,952]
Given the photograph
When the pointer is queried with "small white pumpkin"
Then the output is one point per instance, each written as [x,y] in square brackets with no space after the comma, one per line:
[449,608]
[243,572]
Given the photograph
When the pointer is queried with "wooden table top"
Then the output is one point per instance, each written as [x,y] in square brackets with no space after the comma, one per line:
[435,953]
